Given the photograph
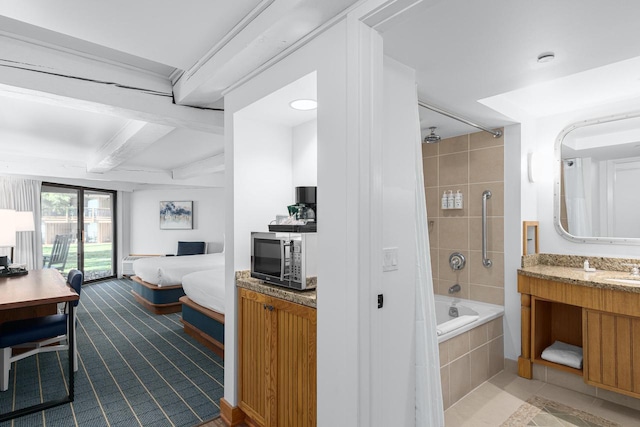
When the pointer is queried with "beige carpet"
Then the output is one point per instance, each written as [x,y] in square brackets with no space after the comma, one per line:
[537,411]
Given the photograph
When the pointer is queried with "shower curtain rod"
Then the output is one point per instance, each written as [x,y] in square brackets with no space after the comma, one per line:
[495,133]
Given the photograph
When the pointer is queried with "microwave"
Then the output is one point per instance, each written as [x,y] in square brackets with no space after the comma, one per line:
[285,259]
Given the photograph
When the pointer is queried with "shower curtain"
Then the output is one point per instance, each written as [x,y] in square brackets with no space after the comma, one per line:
[429,408]
[577,191]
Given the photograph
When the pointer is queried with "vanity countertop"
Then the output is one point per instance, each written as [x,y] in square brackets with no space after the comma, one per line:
[306,298]
[569,269]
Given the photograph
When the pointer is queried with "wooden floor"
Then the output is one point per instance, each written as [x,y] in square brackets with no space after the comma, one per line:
[217,422]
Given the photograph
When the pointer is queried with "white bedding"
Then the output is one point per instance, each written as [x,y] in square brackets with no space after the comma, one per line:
[206,288]
[168,271]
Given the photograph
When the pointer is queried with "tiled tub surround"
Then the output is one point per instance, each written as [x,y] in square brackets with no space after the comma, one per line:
[469,359]
[472,164]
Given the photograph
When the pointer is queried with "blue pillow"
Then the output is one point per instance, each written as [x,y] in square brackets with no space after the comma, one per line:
[190,248]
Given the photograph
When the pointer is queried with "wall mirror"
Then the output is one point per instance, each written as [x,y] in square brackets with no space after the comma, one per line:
[597,180]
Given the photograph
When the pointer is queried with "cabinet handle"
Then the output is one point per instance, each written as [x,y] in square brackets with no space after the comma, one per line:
[269,307]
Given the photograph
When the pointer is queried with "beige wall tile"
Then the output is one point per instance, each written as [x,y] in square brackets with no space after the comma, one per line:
[444,382]
[454,233]
[459,378]
[443,350]
[433,196]
[479,140]
[495,328]
[453,169]
[481,275]
[485,165]
[454,145]
[458,346]
[429,150]
[430,166]
[479,365]
[478,337]
[490,294]
[434,262]
[496,356]
[495,234]
[495,205]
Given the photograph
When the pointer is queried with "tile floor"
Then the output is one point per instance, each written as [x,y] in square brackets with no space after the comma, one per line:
[494,401]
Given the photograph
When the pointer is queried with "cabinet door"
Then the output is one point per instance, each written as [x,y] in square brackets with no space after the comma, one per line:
[253,348]
[296,365]
[611,343]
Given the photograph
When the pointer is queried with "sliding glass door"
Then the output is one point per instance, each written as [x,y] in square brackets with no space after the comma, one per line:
[78,230]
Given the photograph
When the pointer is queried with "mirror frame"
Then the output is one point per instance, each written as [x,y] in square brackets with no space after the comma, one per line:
[557,186]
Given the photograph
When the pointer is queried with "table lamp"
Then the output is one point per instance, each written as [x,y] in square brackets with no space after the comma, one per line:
[7,229]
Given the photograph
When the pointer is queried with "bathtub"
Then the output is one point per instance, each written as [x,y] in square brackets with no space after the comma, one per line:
[485,312]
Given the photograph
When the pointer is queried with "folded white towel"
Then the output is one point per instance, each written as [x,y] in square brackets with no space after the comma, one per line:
[456,323]
[563,353]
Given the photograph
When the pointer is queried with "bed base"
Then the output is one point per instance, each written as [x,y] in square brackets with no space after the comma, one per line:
[204,325]
[157,299]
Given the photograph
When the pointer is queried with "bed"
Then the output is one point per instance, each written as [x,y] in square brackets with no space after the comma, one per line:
[157,281]
[203,307]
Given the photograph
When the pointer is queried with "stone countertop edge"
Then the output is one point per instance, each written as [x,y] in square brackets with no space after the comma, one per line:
[572,274]
[306,298]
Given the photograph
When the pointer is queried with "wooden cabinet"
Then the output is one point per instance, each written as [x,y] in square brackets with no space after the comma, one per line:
[611,341]
[604,322]
[277,361]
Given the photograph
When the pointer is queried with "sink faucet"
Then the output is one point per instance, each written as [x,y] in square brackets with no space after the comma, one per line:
[635,269]
[455,288]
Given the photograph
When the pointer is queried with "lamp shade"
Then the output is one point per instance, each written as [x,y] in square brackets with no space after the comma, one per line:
[7,227]
[24,221]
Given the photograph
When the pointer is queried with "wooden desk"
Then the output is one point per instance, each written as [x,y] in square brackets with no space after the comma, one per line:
[37,292]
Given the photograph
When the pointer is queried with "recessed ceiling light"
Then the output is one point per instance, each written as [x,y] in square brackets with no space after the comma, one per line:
[546,57]
[303,104]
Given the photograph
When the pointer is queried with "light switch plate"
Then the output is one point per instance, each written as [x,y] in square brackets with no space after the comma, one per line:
[389,259]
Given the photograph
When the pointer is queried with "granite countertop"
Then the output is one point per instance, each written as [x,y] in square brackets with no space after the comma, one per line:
[569,269]
[306,298]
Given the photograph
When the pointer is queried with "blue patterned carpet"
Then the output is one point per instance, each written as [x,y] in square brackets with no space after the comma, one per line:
[135,369]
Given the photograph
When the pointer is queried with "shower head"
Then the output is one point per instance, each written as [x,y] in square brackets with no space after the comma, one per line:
[432,137]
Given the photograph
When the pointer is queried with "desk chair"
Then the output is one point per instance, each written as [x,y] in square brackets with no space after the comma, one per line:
[37,334]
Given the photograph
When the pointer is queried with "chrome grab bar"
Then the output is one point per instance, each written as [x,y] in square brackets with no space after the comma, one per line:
[485,261]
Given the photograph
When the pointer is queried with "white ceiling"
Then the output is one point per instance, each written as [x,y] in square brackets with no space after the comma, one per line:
[475,59]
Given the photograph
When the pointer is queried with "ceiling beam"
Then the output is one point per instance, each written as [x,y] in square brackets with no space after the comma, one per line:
[132,139]
[264,34]
[43,74]
[201,167]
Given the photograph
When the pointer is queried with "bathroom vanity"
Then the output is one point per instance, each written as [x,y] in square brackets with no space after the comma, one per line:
[598,311]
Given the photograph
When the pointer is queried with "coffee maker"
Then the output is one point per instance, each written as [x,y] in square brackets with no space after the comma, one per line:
[306,204]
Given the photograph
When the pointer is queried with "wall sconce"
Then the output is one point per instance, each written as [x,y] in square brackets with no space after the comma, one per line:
[534,166]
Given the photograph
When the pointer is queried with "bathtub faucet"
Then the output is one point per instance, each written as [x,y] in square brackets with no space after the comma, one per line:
[455,288]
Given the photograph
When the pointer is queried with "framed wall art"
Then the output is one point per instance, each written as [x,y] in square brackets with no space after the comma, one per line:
[176,215]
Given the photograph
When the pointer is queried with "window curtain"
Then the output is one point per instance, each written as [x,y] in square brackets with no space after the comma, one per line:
[429,407]
[577,188]
[24,195]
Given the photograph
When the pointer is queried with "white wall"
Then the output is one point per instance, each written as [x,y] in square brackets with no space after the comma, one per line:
[262,168]
[208,220]
[397,317]
[348,61]
[305,154]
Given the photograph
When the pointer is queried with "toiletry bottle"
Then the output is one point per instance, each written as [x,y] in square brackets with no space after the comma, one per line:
[457,203]
[450,200]
[586,265]
[445,201]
